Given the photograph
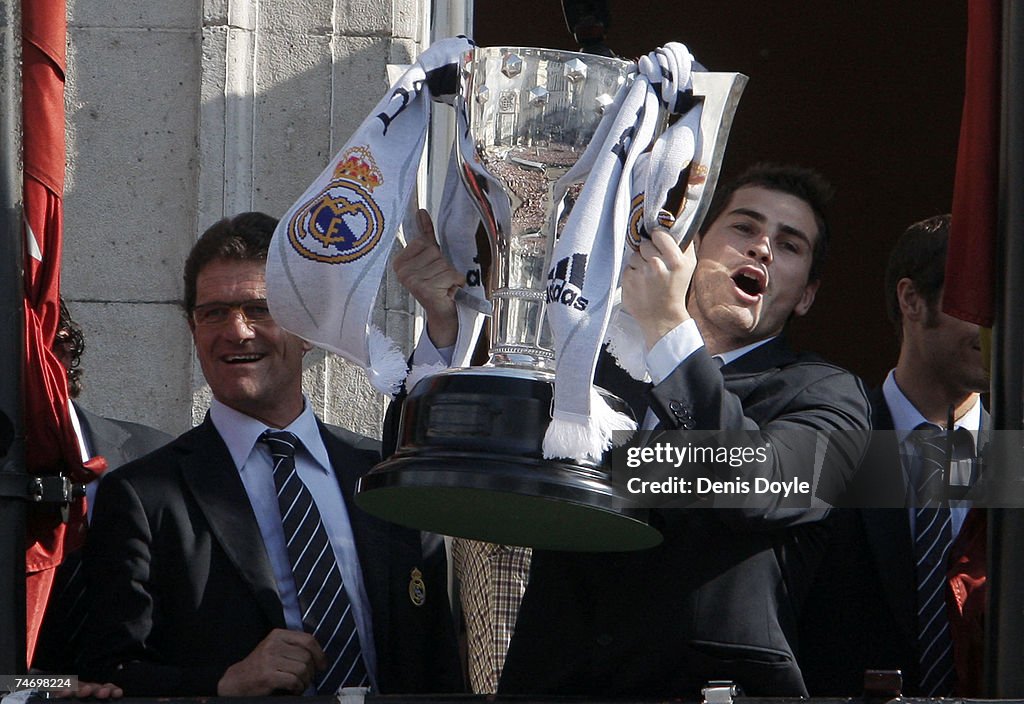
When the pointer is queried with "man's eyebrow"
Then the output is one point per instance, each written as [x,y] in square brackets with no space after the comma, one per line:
[752,214]
[795,232]
[783,228]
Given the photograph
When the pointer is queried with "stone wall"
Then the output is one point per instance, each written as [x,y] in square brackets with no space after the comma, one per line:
[179,113]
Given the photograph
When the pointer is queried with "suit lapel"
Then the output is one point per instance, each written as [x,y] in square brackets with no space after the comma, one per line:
[105,438]
[745,375]
[887,531]
[770,356]
[211,477]
[888,535]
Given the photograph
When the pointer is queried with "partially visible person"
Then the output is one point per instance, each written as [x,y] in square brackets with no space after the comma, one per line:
[967,602]
[491,578]
[879,601]
[719,598]
[233,561]
[93,690]
[116,441]
[105,445]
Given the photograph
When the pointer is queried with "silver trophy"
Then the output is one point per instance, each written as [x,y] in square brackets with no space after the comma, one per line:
[469,461]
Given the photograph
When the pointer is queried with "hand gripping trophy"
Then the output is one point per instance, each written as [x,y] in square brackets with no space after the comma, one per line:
[568,159]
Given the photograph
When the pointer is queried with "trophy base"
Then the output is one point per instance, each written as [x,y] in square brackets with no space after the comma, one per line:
[469,464]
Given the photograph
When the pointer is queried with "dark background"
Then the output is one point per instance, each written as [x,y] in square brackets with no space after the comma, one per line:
[868,93]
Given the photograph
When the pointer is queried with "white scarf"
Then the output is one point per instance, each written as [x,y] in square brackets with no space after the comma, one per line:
[620,178]
[330,251]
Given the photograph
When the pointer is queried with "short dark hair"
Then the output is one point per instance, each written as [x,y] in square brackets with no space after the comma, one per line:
[801,182]
[919,255]
[71,340]
[244,237]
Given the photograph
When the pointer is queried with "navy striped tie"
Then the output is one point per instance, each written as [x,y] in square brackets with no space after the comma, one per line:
[933,535]
[326,610]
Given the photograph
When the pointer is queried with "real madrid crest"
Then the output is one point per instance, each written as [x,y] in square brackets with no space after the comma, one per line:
[635,231]
[417,588]
[342,222]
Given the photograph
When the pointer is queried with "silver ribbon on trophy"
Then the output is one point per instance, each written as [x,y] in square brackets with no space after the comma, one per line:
[567,157]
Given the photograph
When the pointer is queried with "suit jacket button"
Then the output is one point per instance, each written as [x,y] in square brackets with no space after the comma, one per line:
[675,406]
[604,640]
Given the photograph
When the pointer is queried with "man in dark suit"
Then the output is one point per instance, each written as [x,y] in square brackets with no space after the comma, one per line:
[109,444]
[866,605]
[233,561]
[719,598]
[117,442]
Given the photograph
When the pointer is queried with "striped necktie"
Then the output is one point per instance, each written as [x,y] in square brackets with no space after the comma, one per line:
[323,601]
[933,535]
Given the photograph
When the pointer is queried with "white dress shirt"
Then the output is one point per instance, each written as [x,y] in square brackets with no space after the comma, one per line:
[255,466]
[674,347]
[86,452]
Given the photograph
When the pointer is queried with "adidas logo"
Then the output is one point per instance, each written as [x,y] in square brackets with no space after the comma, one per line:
[565,282]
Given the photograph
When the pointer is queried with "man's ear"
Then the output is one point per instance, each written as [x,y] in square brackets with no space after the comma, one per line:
[913,307]
[807,299]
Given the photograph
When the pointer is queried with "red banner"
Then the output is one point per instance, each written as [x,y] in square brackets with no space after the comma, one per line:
[970,263]
[50,443]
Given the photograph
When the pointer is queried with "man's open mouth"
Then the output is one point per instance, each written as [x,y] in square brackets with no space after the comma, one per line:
[751,281]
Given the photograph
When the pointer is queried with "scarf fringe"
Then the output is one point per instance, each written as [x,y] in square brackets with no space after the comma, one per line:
[626,346]
[586,439]
[387,365]
[420,372]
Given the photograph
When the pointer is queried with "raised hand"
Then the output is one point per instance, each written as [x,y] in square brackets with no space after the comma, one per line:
[654,285]
[432,281]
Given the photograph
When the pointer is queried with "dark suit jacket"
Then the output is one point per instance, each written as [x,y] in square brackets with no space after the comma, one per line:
[187,588]
[862,611]
[118,442]
[718,599]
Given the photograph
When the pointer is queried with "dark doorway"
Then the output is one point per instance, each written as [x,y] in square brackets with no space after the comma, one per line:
[869,93]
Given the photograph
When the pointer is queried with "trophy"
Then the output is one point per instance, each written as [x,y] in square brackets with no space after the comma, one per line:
[469,461]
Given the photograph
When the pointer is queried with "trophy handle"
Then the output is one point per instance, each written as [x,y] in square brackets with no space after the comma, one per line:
[720,94]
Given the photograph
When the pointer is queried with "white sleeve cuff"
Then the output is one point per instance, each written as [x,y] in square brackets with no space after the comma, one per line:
[675,346]
[426,353]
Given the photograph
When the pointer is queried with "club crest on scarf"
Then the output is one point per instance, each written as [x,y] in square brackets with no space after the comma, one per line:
[342,222]
[636,231]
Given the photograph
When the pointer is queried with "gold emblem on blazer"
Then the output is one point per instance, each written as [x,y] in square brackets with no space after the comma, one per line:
[417,588]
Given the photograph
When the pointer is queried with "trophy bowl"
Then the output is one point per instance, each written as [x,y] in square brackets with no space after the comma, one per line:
[469,461]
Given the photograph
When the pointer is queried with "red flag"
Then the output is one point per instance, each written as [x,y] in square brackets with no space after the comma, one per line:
[51,446]
[970,272]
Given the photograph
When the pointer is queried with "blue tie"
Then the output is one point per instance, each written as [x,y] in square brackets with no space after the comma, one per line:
[933,535]
[323,601]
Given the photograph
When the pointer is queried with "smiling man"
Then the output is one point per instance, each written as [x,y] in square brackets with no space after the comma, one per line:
[232,561]
[719,598]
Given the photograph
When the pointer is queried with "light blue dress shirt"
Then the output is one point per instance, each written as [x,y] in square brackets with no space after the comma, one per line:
[255,466]
[905,417]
